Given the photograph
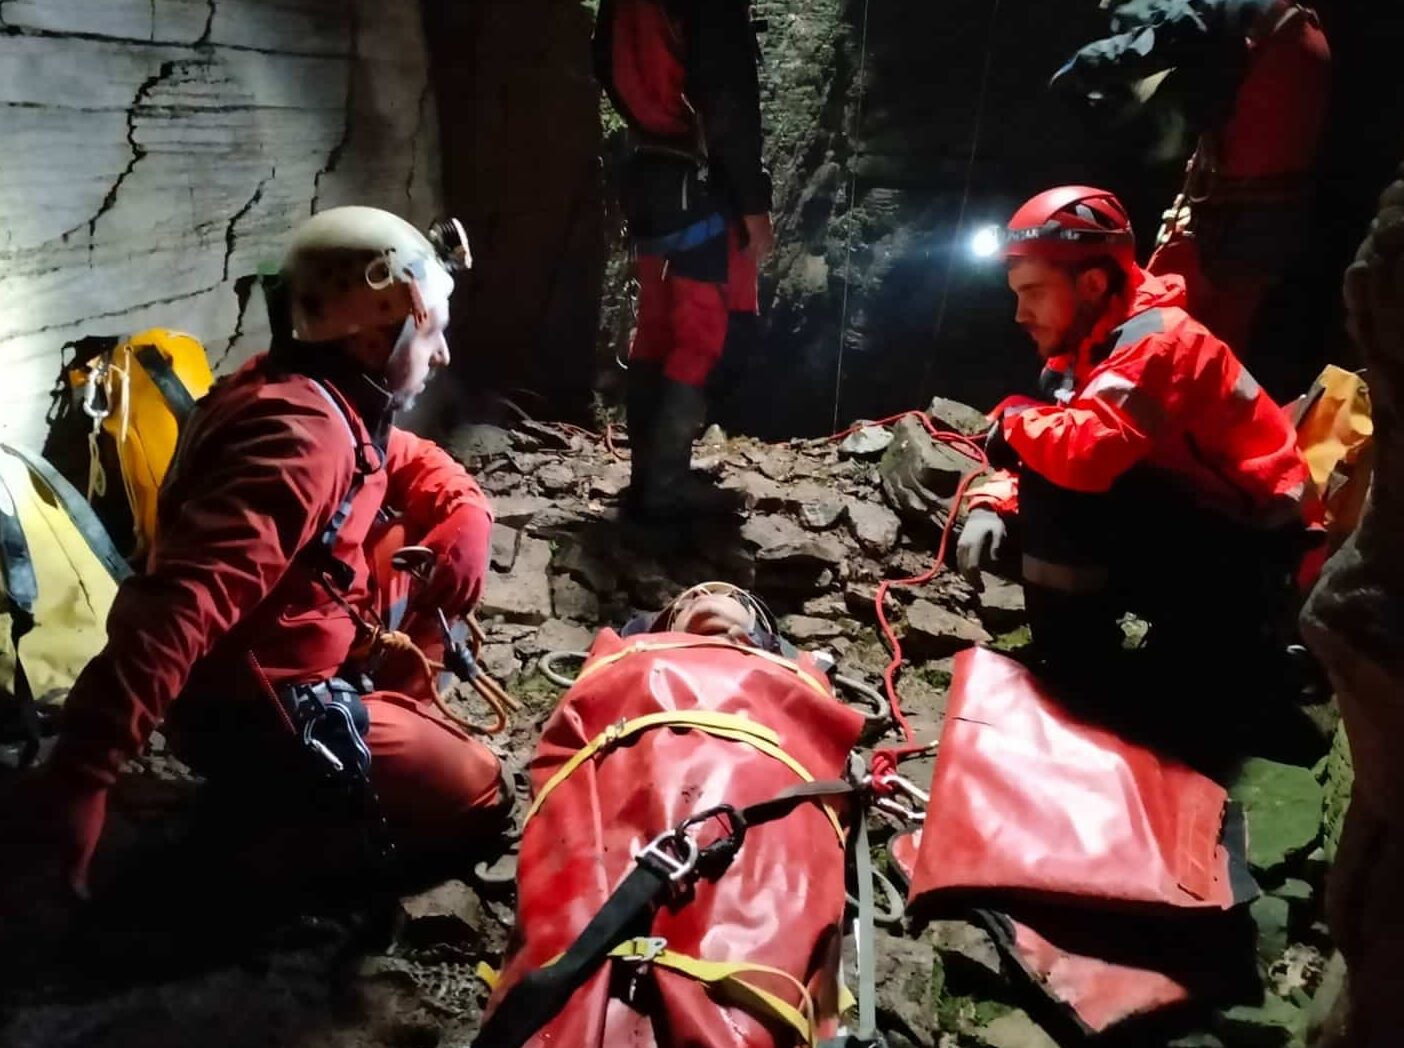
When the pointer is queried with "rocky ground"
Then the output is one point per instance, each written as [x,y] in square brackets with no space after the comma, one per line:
[828,521]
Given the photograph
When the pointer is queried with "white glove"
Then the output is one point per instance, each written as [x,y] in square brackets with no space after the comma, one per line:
[984,530]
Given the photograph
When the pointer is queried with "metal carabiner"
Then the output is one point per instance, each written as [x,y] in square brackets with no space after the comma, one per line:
[901,811]
[96,374]
[908,787]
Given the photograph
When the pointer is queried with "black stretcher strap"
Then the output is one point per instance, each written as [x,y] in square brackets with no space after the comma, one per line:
[539,996]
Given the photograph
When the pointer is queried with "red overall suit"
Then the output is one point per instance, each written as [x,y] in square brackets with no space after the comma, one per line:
[1266,71]
[682,73]
[230,608]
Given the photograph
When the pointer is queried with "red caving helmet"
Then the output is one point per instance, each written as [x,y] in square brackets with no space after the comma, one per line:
[1072,224]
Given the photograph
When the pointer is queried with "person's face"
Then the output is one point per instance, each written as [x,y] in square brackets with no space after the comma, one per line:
[1055,306]
[421,352]
[713,615]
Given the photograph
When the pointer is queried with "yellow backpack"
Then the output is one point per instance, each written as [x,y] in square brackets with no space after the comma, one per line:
[1335,433]
[130,397]
[59,572]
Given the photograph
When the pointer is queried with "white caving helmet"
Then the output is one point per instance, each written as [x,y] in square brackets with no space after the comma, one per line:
[349,269]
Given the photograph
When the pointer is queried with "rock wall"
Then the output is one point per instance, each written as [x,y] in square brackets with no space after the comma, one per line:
[521,133]
[1355,616]
[157,151]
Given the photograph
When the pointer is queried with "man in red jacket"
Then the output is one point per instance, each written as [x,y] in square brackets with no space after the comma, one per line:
[251,624]
[1256,75]
[682,74]
[1158,478]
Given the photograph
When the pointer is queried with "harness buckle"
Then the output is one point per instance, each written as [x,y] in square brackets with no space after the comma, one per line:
[673,854]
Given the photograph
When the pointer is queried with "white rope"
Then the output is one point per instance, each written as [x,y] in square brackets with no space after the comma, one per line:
[852,201]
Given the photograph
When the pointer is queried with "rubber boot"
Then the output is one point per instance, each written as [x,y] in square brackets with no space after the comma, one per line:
[672,490]
[641,393]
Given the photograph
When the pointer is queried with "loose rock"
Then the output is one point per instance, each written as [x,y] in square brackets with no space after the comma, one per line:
[518,510]
[609,484]
[778,540]
[448,912]
[875,527]
[1001,603]
[523,594]
[571,600]
[918,475]
[504,547]
[957,417]
[934,632]
[499,661]
[556,478]
[821,513]
[558,635]
[1283,806]
[801,629]
[471,443]
[867,442]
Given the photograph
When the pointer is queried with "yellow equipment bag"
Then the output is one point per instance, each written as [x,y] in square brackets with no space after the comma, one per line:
[135,393]
[59,578]
[1335,433]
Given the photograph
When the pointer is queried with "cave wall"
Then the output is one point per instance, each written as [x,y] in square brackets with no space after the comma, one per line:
[521,137]
[157,151]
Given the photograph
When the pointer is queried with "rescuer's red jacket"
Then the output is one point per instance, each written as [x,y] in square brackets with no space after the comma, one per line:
[230,598]
[684,72]
[1152,386]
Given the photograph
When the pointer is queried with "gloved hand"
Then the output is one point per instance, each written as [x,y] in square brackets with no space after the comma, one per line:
[980,541]
[998,453]
[461,543]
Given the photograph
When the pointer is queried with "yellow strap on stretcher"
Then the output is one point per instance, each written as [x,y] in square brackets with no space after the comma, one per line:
[716,973]
[642,646]
[721,725]
[728,979]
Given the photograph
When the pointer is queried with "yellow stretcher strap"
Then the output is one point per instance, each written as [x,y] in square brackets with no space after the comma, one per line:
[729,979]
[642,646]
[721,725]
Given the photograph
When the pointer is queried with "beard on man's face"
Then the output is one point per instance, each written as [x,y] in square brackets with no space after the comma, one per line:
[1084,320]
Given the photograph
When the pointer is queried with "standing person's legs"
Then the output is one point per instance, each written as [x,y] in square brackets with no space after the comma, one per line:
[698,312]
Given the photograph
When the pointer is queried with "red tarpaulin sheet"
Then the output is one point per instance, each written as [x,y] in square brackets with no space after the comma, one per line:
[781,902]
[1029,801]
[1104,860]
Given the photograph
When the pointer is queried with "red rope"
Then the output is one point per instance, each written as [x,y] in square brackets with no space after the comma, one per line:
[885,760]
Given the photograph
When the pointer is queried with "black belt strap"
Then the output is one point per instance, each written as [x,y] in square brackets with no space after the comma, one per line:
[21,584]
[78,510]
[539,996]
[164,378]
